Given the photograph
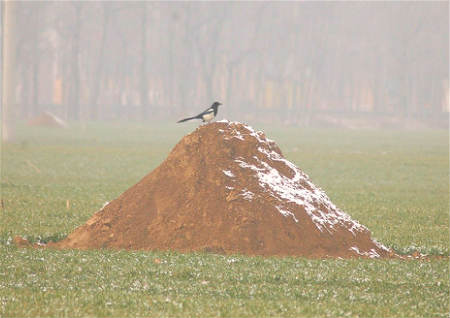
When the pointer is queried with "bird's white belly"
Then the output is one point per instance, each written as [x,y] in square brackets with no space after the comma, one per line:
[208,117]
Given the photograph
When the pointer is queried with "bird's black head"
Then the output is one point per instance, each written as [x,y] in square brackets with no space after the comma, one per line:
[215,107]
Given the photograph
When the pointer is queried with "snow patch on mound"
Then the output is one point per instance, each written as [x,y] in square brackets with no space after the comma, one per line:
[291,189]
[228,173]
[247,195]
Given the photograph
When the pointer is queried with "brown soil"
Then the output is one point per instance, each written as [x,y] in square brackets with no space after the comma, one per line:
[47,119]
[225,188]
[21,242]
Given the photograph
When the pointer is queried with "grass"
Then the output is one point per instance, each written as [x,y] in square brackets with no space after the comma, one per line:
[394,182]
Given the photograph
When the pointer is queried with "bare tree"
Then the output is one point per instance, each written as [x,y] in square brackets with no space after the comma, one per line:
[35,55]
[107,12]
[207,40]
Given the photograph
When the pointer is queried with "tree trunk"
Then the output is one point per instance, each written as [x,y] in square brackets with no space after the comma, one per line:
[95,88]
[8,65]
[171,27]
[74,97]
[35,67]
[143,83]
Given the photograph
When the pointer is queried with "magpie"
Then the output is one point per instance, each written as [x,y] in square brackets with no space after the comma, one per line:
[205,116]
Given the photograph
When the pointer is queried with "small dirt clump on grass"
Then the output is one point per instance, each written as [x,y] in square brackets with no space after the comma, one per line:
[47,119]
[226,188]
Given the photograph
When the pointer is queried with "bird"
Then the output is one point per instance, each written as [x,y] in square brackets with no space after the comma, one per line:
[205,116]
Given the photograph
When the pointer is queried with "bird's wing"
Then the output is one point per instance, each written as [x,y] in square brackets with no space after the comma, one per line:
[207,110]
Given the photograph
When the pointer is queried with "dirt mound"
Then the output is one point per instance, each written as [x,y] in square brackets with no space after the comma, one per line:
[47,119]
[226,188]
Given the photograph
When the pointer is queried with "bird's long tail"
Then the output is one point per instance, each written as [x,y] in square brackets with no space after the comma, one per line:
[186,119]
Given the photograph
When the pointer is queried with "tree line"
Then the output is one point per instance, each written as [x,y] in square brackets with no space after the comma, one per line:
[151,60]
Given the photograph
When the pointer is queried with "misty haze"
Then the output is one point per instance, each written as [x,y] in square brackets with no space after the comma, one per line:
[300,63]
[224,159]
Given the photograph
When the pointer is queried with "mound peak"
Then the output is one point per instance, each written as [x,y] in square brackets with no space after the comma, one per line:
[226,188]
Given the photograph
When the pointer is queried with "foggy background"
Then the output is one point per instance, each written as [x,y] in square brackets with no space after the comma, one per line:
[298,63]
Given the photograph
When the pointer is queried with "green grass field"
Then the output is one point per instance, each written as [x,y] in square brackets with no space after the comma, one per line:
[394,182]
